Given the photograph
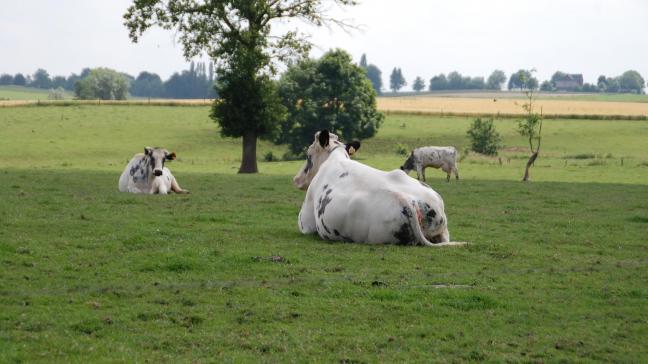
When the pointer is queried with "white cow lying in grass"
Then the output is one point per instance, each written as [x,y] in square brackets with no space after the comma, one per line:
[349,201]
[436,157]
[146,173]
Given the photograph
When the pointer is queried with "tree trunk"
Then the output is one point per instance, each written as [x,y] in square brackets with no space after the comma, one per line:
[530,162]
[249,161]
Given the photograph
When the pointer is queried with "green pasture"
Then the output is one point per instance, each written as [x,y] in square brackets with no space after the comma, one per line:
[556,269]
[25,93]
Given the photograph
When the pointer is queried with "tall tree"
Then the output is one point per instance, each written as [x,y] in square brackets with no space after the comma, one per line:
[237,34]
[58,81]
[103,84]
[330,93]
[6,79]
[396,80]
[418,84]
[375,76]
[147,85]
[41,79]
[438,82]
[71,81]
[455,81]
[19,80]
[363,61]
[496,80]
[523,80]
[631,81]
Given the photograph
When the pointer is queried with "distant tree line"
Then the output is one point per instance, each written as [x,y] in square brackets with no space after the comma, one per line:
[103,83]
[629,82]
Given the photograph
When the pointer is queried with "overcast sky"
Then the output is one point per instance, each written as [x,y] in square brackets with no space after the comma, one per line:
[422,37]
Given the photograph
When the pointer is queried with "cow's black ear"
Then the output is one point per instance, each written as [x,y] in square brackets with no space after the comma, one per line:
[171,156]
[324,138]
[148,150]
[352,147]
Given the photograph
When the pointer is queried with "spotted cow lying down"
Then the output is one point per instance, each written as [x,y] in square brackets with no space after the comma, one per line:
[349,201]
[146,173]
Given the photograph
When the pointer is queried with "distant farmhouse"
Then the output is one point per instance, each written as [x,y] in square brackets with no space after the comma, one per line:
[569,82]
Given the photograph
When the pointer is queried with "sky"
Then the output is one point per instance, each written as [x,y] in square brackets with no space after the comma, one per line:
[422,37]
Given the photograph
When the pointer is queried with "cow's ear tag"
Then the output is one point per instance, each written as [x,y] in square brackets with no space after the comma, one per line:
[324,138]
[171,156]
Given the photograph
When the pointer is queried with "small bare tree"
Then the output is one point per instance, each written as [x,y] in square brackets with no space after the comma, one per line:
[531,125]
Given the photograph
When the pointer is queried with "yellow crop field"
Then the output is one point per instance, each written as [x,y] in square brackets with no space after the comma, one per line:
[494,106]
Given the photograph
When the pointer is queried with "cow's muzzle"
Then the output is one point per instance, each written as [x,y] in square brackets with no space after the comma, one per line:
[157,173]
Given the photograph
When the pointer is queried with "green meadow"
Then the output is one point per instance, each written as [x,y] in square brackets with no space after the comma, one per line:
[555,271]
[25,93]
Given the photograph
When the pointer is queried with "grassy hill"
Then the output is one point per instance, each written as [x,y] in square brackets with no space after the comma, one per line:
[556,269]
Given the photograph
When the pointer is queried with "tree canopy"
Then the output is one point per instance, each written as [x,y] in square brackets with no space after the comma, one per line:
[496,80]
[418,84]
[373,73]
[396,80]
[329,93]
[523,80]
[103,84]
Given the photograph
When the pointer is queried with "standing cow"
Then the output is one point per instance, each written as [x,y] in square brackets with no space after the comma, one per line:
[146,173]
[436,157]
[349,201]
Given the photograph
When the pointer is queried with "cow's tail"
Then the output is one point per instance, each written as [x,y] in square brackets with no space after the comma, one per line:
[415,222]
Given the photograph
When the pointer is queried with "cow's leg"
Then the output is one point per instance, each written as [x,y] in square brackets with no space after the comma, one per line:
[456,171]
[175,187]
[420,172]
[448,170]
[306,219]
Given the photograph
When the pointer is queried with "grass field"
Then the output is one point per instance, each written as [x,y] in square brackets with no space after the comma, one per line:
[14,93]
[556,271]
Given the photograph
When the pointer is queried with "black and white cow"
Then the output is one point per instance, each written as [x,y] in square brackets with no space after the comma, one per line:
[146,173]
[349,201]
[436,157]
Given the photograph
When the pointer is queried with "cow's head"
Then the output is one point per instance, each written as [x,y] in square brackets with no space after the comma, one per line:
[409,163]
[317,153]
[156,157]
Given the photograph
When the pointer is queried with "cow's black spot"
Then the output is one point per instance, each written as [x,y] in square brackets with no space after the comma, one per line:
[323,201]
[407,212]
[337,233]
[431,213]
[404,235]
[344,174]
[325,187]
[324,226]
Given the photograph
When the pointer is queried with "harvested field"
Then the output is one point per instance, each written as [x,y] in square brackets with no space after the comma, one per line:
[495,106]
